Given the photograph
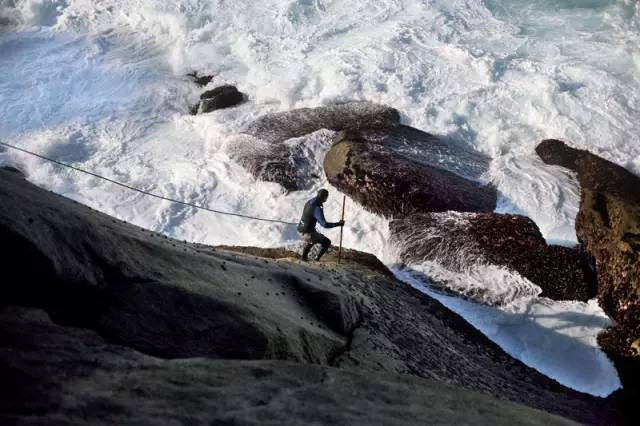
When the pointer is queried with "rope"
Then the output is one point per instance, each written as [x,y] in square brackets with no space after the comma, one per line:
[60,163]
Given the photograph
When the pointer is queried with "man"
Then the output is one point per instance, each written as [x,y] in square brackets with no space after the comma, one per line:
[311,215]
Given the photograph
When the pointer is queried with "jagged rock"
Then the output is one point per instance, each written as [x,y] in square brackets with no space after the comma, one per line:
[66,375]
[458,239]
[392,184]
[171,299]
[221,97]
[200,80]
[608,225]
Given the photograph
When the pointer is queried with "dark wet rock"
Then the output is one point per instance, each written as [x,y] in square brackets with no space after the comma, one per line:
[281,126]
[171,300]
[608,225]
[200,80]
[457,240]
[291,164]
[65,375]
[221,97]
[392,184]
[282,147]
[289,147]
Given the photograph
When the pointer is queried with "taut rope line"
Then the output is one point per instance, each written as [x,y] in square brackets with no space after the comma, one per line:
[60,163]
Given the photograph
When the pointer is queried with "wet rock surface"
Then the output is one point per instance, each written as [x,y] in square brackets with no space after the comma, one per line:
[289,147]
[282,147]
[221,97]
[457,240]
[279,127]
[388,182]
[199,79]
[143,292]
[608,225]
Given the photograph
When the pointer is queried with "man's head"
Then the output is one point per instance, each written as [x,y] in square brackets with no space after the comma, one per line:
[323,194]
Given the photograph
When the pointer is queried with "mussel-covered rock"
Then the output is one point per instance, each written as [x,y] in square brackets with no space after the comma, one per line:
[457,240]
[608,225]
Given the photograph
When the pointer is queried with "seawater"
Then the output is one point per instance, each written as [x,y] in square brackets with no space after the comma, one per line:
[101,85]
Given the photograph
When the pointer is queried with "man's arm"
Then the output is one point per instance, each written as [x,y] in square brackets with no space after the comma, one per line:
[319,215]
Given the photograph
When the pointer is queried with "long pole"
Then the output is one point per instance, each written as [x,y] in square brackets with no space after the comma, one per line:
[344,199]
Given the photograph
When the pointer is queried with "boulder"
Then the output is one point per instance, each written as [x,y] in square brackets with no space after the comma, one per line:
[608,225]
[457,240]
[281,126]
[146,293]
[390,183]
[289,147]
[221,97]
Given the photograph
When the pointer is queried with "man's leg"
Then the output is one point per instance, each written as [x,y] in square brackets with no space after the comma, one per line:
[326,243]
[306,250]
[307,247]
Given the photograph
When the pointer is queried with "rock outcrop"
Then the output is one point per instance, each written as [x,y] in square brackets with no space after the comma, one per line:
[458,239]
[283,147]
[226,96]
[608,225]
[289,148]
[170,300]
[390,183]
[65,375]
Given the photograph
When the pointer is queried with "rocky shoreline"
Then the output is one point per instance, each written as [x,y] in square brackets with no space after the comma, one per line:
[147,297]
[101,302]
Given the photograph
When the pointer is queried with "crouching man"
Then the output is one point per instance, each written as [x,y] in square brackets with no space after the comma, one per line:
[311,215]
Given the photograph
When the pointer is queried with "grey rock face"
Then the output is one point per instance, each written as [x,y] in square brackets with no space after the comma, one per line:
[66,375]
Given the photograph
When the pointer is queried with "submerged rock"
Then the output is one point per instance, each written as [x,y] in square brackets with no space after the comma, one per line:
[457,240]
[388,182]
[221,97]
[608,225]
[200,80]
[143,292]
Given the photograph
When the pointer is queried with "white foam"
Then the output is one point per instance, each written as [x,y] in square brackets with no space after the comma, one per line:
[101,84]
[556,338]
